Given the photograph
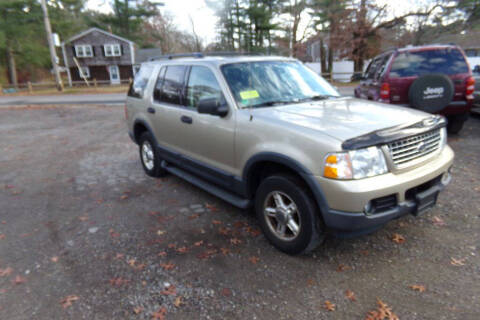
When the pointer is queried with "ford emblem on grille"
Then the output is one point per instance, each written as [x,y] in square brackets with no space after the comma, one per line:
[421,146]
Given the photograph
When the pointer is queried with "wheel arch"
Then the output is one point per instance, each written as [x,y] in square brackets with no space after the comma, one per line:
[139,127]
[269,162]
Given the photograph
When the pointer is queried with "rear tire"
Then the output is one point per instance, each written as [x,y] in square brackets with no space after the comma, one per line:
[149,157]
[455,124]
[288,215]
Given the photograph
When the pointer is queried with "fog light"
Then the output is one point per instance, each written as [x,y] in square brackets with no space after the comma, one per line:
[446,177]
[368,208]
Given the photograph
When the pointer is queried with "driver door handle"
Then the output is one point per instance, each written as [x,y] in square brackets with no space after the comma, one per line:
[186,119]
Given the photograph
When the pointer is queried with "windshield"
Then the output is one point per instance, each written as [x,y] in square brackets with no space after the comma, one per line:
[268,83]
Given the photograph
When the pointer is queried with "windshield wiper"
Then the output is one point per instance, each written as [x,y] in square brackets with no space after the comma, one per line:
[271,103]
[318,97]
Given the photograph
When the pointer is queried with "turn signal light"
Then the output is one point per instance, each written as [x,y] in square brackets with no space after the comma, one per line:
[469,87]
[385,91]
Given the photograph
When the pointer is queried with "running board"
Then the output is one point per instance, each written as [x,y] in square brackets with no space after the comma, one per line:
[210,188]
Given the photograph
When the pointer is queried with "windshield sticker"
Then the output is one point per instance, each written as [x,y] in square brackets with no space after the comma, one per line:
[250,94]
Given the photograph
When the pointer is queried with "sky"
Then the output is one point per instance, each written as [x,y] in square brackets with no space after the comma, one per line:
[205,20]
[203,17]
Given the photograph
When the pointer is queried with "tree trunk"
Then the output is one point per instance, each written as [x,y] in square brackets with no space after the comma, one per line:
[12,69]
[323,63]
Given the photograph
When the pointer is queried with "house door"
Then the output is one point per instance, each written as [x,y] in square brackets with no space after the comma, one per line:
[114,74]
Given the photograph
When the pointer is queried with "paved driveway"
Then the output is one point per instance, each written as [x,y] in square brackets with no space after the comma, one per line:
[84,234]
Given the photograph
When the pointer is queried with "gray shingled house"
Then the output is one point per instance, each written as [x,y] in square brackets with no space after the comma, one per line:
[98,54]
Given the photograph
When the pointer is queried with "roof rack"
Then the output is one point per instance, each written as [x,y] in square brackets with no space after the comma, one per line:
[178,55]
[199,55]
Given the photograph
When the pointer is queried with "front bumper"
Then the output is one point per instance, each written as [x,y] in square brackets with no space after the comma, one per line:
[347,200]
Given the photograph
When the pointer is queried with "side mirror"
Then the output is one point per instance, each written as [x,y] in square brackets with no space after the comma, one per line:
[212,106]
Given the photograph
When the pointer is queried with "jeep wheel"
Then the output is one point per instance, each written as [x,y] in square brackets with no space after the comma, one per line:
[149,156]
[455,124]
[287,215]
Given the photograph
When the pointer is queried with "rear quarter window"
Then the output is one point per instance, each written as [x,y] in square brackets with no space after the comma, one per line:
[447,61]
[137,88]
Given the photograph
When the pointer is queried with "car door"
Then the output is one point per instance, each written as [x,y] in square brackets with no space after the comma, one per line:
[210,137]
[202,143]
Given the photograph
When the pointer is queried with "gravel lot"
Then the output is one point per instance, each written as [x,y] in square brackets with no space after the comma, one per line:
[84,234]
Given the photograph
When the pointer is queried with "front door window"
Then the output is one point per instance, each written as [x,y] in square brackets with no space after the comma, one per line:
[114,74]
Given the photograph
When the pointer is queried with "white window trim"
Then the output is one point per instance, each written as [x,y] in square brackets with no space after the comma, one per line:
[81,52]
[112,50]
[84,72]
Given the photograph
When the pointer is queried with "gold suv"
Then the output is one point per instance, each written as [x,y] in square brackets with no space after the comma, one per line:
[268,133]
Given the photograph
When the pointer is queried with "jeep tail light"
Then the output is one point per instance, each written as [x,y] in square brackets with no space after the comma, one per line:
[385,91]
[469,87]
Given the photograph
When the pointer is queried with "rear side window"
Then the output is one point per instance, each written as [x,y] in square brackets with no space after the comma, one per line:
[137,88]
[202,84]
[170,89]
[447,61]
[376,67]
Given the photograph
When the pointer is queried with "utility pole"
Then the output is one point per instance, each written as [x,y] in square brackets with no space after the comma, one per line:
[53,54]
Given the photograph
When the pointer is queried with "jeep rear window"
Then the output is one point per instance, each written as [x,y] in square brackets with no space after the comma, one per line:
[447,61]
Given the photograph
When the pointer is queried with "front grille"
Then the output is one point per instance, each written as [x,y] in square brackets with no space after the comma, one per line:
[411,148]
[384,203]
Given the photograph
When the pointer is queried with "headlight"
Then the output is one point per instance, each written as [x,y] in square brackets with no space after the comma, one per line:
[356,164]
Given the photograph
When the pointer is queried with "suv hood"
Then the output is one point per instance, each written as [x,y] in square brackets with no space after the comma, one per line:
[344,118]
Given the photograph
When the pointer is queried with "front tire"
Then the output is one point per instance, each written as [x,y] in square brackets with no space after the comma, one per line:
[149,157]
[288,215]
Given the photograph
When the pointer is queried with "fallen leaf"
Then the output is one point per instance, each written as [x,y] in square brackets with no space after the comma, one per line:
[216,222]
[131,262]
[4,222]
[436,220]
[178,302]
[119,256]
[160,314]
[123,197]
[160,232]
[83,218]
[235,241]
[171,245]
[383,312]
[253,259]
[67,301]
[398,238]
[9,186]
[54,259]
[198,243]
[418,287]
[329,306]
[117,282]
[223,231]
[170,291]
[350,295]
[226,292]
[162,253]
[113,234]
[206,254]
[254,232]
[5,272]
[457,262]
[194,216]
[225,251]
[138,310]
[310,282]
[2,236]
[341,267]
[182,250]
[211,207]
[19,280]
[167,266]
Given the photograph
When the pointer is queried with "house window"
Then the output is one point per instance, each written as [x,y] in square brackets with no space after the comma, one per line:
[84,72]
[112,50]
[84,50]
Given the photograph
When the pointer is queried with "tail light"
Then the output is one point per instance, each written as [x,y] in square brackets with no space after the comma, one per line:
[469,87]
[385,91]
